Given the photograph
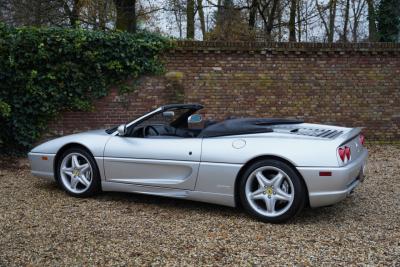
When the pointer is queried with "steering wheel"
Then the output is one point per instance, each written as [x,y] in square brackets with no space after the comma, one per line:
[150,131]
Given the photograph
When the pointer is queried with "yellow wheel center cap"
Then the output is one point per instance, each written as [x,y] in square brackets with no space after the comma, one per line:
[268,191]
[75,173]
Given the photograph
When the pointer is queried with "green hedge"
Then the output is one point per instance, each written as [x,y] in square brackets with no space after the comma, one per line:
[46,70]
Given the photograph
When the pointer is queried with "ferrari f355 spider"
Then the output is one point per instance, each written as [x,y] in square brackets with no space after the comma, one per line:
[272,167]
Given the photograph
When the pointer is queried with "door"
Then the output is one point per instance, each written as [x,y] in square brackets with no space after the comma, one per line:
[159,161]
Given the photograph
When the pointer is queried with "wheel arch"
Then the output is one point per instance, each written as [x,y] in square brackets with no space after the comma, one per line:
[63,149]
[259,158]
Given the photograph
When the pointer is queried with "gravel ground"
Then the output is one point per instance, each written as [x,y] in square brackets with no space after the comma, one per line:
[41,225]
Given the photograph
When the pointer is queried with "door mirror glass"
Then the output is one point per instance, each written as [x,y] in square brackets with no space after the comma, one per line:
[195,118]
[121,130]
[168,114]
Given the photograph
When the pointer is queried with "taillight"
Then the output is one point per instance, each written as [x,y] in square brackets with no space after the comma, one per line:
[347,151]
[344,153]
[362,139]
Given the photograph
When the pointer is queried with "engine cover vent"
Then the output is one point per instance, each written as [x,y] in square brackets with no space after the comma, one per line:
[324,133]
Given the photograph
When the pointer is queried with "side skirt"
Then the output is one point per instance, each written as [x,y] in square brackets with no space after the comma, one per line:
[215,198]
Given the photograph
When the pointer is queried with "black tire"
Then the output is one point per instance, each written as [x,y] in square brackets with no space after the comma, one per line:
[95,184]
[297,201]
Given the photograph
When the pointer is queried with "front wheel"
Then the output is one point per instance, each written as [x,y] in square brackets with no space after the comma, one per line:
[272,191]
[77,173]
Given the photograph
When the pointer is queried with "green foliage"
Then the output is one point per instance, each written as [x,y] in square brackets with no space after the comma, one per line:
[5,109]
[46,70]
[389,20]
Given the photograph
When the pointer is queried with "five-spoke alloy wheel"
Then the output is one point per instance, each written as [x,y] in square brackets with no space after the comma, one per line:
[272,191]
[77,173]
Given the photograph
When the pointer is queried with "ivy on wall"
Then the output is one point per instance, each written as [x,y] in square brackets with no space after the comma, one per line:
[46,70]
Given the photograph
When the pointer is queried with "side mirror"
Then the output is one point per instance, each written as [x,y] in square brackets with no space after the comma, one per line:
[195,118]
[168,114]
[122,130]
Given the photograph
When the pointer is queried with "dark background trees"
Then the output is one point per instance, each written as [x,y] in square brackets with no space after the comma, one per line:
[388,19]
[241,20]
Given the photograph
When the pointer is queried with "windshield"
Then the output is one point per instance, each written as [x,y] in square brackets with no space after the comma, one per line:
[178,119]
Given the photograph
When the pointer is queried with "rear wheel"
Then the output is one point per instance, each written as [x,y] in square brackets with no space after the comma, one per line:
[77,173]
[272,191]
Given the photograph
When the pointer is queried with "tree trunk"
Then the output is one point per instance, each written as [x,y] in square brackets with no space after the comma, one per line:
[321,15]
[37,14]
[76,10]
[279,18]
[219,12]
[102,14]
[355,29]
[357,8]
[305,28]
[332,17]
[190,19]
[178,10]
[292,21]
[73,14]
[346,21]
[373,36]
[126,15]
[271,19]
[252,15]
[201,16]
[299,3]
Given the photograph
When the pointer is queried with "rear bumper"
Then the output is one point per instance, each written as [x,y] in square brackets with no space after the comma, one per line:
[42,165]
[327,190]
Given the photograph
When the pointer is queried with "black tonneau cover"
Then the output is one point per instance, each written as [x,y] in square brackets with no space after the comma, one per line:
[244,126]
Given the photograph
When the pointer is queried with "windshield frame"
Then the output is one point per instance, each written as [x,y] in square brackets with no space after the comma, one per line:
[192,108]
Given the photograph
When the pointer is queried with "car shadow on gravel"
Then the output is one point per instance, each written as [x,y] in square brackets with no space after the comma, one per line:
[47,185]
[142,199]
[308,215]
[163,202]
[321,214]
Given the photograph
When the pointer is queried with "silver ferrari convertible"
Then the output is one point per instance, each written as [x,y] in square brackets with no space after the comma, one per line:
[272,167]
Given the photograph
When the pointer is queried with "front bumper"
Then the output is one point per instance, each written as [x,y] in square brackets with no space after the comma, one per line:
[327,190]
[42,165]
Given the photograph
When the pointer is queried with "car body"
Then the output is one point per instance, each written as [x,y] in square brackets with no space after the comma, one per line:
[208,164]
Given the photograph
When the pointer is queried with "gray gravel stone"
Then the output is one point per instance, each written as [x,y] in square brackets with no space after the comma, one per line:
[40,225]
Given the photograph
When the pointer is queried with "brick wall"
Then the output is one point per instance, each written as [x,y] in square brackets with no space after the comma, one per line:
[343,84]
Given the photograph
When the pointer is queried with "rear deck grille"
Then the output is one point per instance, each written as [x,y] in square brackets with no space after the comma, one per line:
[324,133]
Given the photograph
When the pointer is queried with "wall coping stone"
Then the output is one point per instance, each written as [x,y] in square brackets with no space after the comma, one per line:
[285,47]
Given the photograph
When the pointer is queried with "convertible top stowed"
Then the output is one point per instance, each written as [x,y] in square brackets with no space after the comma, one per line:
[244,126]
[230,126]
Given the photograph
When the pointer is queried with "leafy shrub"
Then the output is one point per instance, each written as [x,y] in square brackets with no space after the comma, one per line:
[46,70]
